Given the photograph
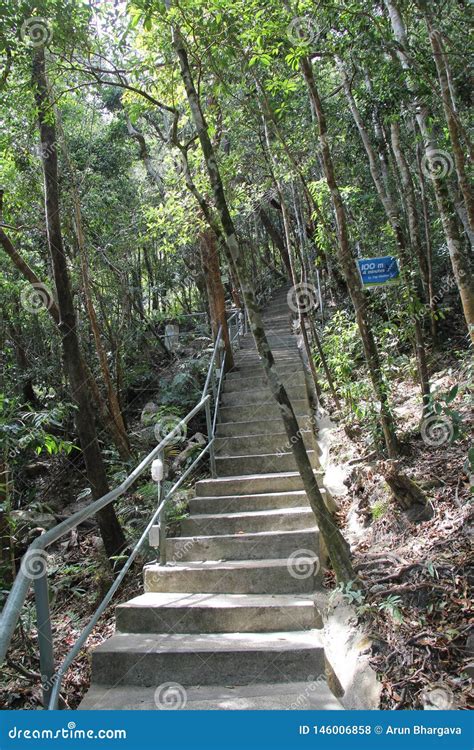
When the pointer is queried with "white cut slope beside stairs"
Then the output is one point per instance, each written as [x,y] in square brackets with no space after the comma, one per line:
[231,621]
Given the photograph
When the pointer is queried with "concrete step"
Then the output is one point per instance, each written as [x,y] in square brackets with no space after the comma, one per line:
[234,503]
[243,429]
[250,361]
[273,576]
[206,659]
[257,444]
[264,463]
[279,341]
[216,613]
[263,545]
[278,306]
[252,484]
[295,391]
[258,412]
[279,519]
[259,382]
[256,371]
[311,695]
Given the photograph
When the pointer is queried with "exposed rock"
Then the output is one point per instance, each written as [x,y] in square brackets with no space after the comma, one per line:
[149,412]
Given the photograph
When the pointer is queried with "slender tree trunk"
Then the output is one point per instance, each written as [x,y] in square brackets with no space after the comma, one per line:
[111,531]
[451,119]
[410,201]
[459,257]
[316,340]
[336,545]
[215,292]
[6,541]
[349,267]
[24,382]
[276,238]
[428,245]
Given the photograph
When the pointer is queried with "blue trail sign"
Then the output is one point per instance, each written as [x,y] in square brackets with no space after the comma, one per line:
[378,271]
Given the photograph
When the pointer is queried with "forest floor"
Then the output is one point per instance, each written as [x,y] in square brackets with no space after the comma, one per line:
[416,575]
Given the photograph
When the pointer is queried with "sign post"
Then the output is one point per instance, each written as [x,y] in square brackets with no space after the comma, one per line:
[378,271]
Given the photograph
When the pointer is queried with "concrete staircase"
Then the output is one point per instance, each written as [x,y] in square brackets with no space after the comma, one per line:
[231,622]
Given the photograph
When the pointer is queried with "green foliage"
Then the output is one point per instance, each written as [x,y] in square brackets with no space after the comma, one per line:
[23,432]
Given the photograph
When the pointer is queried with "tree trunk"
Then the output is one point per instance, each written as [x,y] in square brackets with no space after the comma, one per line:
[459,257]
[215,292]
[111,531]
[6,541]
[451,119]
[428,244]
[349,267]
[410,200]
[336,545]
[276,238]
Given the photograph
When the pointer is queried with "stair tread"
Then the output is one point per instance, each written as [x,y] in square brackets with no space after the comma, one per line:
[275,696]
[274,562]
[260,477]
[251,514]
[217,601]
[222,498]
[147,643]
[259,456]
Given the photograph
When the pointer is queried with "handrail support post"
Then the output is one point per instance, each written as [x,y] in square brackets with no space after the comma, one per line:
[45,635]
[158,475]
[210,438]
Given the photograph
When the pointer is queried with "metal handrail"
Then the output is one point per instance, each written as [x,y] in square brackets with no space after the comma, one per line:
[23,581]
